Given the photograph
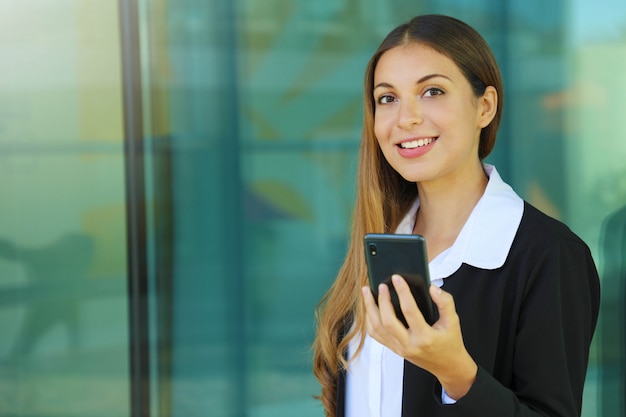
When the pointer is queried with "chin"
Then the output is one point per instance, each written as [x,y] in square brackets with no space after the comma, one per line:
[414,175]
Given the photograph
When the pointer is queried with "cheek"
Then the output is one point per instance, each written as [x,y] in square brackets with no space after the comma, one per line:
[377,133]
[442,116]
[381,127]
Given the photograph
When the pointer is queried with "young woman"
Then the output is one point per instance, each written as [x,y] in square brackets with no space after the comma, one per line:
[517,292]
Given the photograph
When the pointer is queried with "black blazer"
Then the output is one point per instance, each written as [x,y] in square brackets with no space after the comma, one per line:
[528,325]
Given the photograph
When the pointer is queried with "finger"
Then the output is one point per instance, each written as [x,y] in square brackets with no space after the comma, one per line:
[445,303]
[385,306]
[373,321]
[408,305]
[371,310]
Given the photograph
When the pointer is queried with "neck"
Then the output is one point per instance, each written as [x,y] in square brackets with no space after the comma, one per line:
[445,206]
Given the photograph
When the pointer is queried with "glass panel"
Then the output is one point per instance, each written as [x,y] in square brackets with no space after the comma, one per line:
[594,106]
[63,301]
[253,111]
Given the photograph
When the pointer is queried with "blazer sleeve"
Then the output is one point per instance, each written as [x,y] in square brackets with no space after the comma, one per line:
[557,317]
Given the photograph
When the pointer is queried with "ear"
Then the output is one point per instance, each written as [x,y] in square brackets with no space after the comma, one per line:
[488,106]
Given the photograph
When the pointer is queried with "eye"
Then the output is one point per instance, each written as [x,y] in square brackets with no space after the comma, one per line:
[433,91]
[385,99]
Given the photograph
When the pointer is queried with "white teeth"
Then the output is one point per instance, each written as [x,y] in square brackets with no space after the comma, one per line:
[416,143]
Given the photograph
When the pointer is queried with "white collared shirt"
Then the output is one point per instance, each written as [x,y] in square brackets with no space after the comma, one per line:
[374,378]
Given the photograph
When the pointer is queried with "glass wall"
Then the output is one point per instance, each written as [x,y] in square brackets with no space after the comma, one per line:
[251,124]
[63,301]
[263,106]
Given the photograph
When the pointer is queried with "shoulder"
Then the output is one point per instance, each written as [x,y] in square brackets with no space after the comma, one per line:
[540,229]
[546,247]
[548,253]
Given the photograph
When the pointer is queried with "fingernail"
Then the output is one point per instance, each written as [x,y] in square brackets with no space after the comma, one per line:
[395,278]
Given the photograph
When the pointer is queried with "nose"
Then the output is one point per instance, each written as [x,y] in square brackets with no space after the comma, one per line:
[410,114]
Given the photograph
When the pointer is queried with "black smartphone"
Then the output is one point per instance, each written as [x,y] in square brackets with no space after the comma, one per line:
[405,255]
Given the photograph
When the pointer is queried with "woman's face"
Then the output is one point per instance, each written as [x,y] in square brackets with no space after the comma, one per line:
[427,119]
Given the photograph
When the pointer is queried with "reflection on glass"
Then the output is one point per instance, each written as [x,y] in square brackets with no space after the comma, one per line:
[259,103]
[613,319]
[54,274]
[63,301]
[253,113]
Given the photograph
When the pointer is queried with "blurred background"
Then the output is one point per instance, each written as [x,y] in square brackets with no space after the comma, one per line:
[177,179]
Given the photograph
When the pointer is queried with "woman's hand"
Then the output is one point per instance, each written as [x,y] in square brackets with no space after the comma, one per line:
[438,349]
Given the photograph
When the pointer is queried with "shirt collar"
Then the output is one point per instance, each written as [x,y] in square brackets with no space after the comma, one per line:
[487,236]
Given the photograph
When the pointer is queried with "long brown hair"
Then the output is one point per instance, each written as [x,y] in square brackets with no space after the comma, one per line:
[383,196]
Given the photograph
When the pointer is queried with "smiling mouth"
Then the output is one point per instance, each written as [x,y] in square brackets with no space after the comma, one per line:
[417,143]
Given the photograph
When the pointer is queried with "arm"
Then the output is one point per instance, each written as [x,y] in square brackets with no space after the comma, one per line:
[540,369]
[438,349]
[557,318]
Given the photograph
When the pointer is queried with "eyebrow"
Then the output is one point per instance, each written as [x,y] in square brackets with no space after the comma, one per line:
[421,80]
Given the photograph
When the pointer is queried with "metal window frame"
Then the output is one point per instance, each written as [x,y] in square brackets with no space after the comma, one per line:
[139,349]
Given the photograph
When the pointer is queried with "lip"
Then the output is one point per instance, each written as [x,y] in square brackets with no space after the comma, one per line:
[415,152]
